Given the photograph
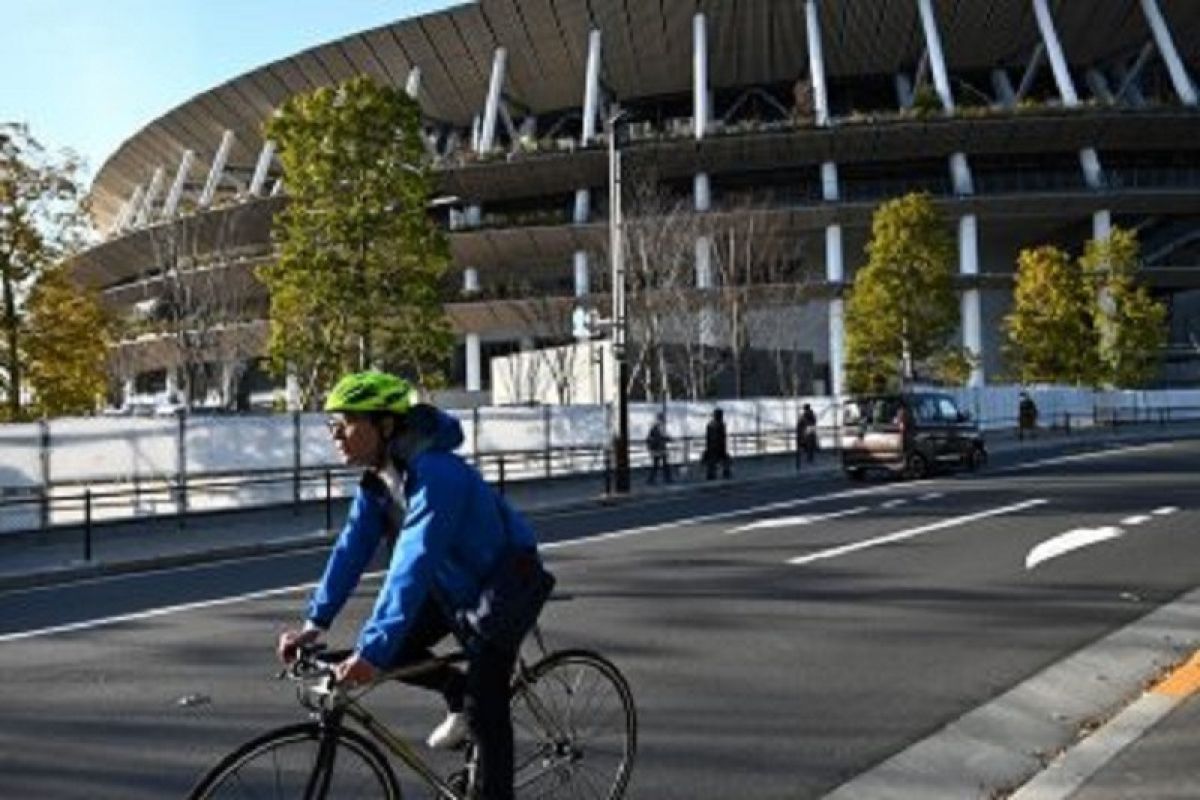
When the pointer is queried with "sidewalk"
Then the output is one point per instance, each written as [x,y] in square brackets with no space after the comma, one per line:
[1159,762]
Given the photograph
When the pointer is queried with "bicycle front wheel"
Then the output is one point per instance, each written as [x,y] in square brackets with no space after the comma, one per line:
[283,762]
[575,728]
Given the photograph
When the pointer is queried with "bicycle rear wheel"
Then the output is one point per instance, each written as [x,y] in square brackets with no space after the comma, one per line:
[575,728]
[281,764]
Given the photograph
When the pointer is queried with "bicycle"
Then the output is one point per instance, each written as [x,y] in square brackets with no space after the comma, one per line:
[562,706]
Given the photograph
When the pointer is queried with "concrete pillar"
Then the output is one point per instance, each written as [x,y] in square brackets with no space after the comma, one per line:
[217,170]
[412,85]
[128,390]
[830,192]
[474,382]
[937,60]
[960,175]
[971,308]
[836,276]
[700,96]
[972,330]
[261,168]
[491,111]
[1093,173]
[147,205]
[1002,86]
[1058,61]
[904,91]
[181,176]
[129,213]
[704,273]
[470,280]
[1166,45]
[702,191]
[591,89]
[583,206]
[837,347]
[816,62]
[582,278]
[1101,225]
[835,271]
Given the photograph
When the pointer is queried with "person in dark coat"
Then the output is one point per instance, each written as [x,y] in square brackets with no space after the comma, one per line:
[806,435]
[716,448]
[1027,415]
[656,443]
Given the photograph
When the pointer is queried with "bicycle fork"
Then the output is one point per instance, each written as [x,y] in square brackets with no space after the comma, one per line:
[322,774]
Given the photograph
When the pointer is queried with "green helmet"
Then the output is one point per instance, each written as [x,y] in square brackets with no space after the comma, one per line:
[367,392]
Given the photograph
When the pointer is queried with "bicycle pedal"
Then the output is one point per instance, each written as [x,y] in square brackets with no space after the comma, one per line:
[459,781]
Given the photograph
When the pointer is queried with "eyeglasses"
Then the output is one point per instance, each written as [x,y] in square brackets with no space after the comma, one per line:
[337,426]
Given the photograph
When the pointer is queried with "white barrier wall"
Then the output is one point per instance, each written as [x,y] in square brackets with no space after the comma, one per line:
[144,458]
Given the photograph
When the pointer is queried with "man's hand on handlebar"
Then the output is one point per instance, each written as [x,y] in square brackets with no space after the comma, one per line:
[291,640]
[355,671]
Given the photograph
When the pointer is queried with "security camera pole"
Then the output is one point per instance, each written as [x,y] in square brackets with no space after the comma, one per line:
[619,319]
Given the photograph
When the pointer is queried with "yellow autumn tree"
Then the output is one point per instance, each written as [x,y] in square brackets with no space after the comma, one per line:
[65,346]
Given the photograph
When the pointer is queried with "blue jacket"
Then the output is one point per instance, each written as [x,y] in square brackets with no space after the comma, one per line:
[455,530]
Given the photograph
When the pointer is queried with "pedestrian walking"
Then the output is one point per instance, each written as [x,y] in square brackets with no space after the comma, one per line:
[656,443]
[806,435]
[716,448]
[1027,416]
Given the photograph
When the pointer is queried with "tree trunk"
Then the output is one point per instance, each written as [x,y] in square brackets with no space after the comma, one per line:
[12,334]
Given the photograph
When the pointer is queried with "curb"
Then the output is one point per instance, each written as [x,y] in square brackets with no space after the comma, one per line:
[1072,769]
[1007,742]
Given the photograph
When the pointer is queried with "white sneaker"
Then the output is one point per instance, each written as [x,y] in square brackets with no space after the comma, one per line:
[451,733]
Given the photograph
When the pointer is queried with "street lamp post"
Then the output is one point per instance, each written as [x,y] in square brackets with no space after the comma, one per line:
[620,322]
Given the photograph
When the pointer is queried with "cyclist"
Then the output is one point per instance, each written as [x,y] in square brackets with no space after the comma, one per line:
[450,532]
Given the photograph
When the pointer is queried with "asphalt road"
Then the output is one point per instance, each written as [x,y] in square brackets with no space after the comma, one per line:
[781,637]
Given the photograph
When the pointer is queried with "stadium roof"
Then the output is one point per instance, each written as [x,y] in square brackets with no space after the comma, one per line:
[647,51]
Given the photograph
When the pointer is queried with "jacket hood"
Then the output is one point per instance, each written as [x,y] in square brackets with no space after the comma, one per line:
[426,428]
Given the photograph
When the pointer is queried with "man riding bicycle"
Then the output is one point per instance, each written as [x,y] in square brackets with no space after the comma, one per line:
[452,536]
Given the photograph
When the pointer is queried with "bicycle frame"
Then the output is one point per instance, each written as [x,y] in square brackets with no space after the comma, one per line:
[346,705]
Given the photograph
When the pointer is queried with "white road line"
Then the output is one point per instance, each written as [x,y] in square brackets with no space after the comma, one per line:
[910,533]
[790,522]
[154,612]
[1116,451]
[1136,519]
[1071,540]
[931,496]
[899,501]
[1164,511]
[803,501]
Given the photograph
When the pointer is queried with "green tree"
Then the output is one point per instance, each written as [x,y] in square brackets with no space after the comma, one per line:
[358,278]
[65,346]
[902,309]
[1130,325]
[40,222]
[1049,335]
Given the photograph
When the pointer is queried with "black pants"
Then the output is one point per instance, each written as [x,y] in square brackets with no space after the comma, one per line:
[482,692]
[658,460]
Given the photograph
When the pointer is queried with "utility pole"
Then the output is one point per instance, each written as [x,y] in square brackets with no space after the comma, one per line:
[620,322]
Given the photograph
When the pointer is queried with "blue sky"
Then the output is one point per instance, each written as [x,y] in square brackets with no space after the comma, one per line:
[87,74]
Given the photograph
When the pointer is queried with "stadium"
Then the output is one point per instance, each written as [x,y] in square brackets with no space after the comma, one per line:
[1029,122]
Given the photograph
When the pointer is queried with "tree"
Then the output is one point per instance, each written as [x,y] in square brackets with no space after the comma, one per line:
[65,346]
[40,222]
[357,281]
[902,308]
[202,302]
[1049,334]
[1130,326]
